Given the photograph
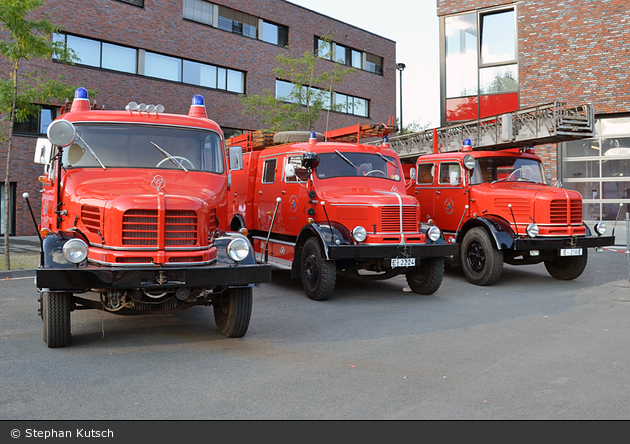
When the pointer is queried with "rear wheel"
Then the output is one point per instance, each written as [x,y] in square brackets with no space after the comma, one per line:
[567,268]
[56,317]
[426,278]
[318,275]
[482,263]
[233,311]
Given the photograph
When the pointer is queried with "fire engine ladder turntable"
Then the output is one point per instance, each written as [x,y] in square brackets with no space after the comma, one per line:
[539,125]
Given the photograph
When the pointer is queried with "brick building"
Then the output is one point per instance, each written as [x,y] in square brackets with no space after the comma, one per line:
[499,56]
[166,51]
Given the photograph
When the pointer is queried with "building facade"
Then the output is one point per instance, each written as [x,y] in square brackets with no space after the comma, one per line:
[500,56]
[166,51]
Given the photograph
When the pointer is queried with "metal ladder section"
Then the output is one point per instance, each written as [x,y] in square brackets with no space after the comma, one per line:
[538,125]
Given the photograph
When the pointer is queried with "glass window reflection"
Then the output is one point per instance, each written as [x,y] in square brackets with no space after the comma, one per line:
[461,55]
[498,37]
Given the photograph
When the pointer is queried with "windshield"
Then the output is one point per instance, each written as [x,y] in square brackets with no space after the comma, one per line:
[511,169]
[144,146]
[353,164]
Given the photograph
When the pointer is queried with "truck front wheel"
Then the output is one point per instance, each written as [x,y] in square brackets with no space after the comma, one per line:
[233,311]
[56,317]
[482,263]
[426,278]
[318,275]
[567,268]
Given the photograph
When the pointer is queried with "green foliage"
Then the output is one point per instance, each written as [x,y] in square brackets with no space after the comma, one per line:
[312,88]
[413,127]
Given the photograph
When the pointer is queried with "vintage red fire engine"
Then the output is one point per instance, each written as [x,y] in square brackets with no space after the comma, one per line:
[133,219]
[497,206]
[325,208]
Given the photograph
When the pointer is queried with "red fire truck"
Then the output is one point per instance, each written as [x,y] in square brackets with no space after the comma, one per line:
[498,206]
[321,208]
[133,219]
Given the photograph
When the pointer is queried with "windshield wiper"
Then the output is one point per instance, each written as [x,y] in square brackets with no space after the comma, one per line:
[386,159]
[169,157]
[90,150]
[346,159]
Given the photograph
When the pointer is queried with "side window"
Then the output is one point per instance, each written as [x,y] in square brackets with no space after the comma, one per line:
[300,171]
[450,173]
[425,174]
[269,171]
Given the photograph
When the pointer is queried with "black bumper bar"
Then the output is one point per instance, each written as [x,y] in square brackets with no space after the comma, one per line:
[564,242]
[85,279]
[336,252]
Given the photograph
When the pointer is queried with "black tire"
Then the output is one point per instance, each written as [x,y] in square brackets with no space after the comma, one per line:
[318,275]
[427,278]
[567,268]
[233,311]
[56,316]
[481,262]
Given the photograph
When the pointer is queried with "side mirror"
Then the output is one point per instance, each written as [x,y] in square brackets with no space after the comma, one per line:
[236,158]
[43,151]
[310,160]
[454,178]
[412,174]
[289,171]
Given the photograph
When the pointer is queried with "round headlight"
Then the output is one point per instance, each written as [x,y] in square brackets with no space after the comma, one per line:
[600,228]
[359,234]
[75,251]
[238,249]
[532,230]
[433,233]
[469,162]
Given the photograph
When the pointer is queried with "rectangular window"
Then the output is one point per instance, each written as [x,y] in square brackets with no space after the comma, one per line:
[199,11]
[425,174]
[162,67]
[450,174]
[88,50]
[11,208]
[200,74]
[235,81]
[269,171]
[324,49]
[461,55]
[38,124]
[340,54]
[300,172]
[221,78]
[238,22]
[357,59]
[498,37]
[119,58]
[275,34]
[284,90]
[374,63]
[498,79]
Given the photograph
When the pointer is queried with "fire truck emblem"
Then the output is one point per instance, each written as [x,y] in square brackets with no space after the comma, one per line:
[449,206]
[158,182]
[394,189]
[293,204]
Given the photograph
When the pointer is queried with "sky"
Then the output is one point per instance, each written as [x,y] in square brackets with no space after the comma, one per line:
[413,25]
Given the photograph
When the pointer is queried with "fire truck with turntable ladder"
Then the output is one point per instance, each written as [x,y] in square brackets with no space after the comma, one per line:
[490,195]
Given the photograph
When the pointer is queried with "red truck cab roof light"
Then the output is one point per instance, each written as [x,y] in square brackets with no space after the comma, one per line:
[81,100]
[467,145]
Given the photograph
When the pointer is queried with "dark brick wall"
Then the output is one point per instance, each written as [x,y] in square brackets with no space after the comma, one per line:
[159,27]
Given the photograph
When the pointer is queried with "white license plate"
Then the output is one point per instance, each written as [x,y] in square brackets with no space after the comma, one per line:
[571,252]
[404,262]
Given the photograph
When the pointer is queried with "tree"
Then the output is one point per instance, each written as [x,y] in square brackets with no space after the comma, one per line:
[413,127]
[24,39]
[310,92]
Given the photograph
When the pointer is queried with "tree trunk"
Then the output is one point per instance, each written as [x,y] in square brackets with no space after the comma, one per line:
[7,193]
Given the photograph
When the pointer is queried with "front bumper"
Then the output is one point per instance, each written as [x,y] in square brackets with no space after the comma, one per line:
[85,279]
[363,252]
[563,242]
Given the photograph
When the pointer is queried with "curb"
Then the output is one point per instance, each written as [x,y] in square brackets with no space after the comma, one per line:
[16,273]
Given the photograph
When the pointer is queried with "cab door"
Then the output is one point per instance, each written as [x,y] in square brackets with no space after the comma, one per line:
[267,191]
[449,202]
[425,189]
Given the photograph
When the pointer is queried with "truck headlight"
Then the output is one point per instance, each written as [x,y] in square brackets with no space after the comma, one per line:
[238,249]
[359,234]
[434,233]
[532,230]
[600,228]
[75,251]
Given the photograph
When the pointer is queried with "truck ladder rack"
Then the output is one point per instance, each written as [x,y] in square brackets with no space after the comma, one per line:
[538,125]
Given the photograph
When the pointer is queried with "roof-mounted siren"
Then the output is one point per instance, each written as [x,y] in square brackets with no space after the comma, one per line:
[81,101]
[198,107]
[467,145]
[312,140]
[385,143]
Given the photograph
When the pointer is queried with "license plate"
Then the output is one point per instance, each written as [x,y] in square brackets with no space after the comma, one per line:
[571,252]
[404,262]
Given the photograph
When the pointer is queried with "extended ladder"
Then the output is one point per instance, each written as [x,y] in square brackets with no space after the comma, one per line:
[539,125]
